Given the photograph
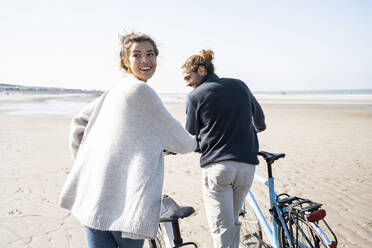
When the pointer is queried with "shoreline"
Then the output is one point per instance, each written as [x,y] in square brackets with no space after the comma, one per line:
[21,97]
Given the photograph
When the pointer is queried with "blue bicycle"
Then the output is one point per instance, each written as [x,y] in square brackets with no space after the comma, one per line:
[295,222]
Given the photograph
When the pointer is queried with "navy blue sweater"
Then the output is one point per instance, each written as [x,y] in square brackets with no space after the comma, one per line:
[221,111]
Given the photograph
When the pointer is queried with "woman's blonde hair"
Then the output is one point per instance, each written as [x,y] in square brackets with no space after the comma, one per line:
[126,44]
[204,58]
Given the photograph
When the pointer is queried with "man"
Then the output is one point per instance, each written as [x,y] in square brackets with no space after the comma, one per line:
[225,115]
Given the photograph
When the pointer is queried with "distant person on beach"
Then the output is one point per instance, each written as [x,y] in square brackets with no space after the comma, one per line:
[224,114]
[115,186]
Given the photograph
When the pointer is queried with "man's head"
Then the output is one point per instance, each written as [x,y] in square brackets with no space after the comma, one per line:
[193,79]
[196,67]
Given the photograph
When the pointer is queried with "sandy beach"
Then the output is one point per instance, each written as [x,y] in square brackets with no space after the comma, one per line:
[328,159]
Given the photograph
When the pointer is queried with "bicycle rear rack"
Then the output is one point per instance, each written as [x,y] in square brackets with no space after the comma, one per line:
[310,212]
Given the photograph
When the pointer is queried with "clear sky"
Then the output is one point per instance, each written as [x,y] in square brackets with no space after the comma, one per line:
[271,45]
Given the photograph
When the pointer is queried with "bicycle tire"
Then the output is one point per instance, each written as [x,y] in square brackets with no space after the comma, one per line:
[307,230]
[250,229]
[156,243]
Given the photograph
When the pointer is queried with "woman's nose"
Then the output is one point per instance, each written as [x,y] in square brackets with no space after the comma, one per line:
[145,58]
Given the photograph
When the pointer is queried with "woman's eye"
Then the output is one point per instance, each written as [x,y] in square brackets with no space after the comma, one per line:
[136,55]
[151,54]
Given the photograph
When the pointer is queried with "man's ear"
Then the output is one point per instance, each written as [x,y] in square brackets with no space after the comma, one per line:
[202,71]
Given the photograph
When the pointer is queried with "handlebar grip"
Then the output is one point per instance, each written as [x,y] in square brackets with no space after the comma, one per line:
[166,152]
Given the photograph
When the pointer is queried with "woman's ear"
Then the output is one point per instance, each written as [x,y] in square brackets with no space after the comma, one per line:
[126,63]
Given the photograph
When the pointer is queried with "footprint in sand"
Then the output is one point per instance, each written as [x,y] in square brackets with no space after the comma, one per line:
[15,212]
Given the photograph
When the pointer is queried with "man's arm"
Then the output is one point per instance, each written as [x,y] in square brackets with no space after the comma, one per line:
[192,120]
[258,114]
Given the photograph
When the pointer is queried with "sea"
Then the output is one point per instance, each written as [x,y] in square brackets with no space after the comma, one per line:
[318,92]
[70,105]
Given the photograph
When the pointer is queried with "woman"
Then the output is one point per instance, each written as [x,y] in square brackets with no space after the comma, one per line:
[115,186]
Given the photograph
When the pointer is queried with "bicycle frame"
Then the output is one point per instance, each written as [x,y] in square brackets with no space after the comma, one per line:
[168,235]
[271,232]
[167,231]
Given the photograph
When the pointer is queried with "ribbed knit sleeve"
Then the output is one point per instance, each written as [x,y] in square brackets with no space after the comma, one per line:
[174,137]
[79,123]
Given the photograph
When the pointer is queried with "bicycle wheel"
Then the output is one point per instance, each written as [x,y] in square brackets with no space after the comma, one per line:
[156,243]
[250,229]
[304,235]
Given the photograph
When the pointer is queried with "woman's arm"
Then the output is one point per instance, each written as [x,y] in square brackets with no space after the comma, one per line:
[175,138]
[78,125]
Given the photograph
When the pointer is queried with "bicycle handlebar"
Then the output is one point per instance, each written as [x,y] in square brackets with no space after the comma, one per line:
[166,152]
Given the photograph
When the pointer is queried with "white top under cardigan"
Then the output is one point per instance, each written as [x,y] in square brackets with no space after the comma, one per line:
[117,142]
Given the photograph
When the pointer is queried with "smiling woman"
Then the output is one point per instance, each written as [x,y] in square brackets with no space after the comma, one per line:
[115,186]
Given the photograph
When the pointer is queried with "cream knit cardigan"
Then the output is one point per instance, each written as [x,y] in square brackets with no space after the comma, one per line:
[117,142]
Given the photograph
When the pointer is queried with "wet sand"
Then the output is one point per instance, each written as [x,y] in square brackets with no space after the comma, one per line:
[328,159]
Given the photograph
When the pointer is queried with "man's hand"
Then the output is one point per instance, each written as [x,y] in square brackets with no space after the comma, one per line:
[197,149]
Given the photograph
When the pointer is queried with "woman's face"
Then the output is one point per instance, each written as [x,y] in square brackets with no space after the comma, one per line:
[142,60]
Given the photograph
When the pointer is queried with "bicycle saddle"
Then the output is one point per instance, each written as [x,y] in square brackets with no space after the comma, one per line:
[271,157]
[173,211]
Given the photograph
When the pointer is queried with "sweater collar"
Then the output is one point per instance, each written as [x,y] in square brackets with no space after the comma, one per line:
[211,77]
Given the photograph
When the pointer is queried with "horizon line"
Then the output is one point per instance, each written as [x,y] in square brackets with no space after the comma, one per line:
[256,91]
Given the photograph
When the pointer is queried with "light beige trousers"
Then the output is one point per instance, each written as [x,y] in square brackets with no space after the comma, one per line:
[225,185]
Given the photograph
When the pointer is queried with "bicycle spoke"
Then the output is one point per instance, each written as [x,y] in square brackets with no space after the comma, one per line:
[250,229]
[303,235]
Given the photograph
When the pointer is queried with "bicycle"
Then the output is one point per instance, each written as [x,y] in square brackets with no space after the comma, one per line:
[295,222]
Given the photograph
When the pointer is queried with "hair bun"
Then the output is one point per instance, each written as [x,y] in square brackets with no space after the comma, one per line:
[203,59]
[207,55]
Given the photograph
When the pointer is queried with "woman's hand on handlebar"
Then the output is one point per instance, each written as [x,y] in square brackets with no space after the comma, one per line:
[166,152]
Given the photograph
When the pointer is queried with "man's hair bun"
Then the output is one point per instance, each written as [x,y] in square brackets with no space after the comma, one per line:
[207,55]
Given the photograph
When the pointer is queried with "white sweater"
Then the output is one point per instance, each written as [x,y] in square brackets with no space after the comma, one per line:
[117,142]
